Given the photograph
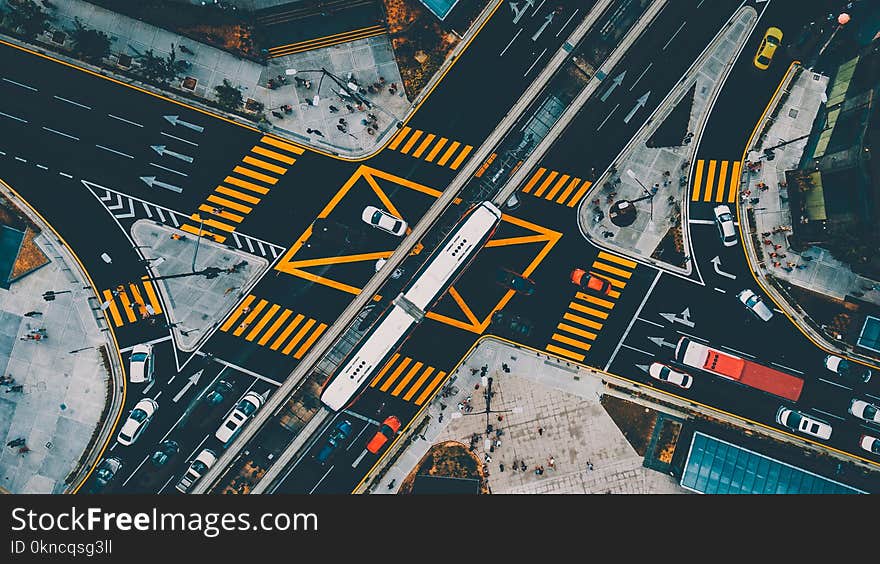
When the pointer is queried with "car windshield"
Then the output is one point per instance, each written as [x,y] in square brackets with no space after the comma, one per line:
[664,373]
[377,216]
[772,40]
[386,431]
[725,217]
[763,60]
[397,225]
[870,412]
[752,301]
[138,415]
[246,407]
[139,357]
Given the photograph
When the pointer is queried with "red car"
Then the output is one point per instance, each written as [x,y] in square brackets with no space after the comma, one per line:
[389,428]
[587,281]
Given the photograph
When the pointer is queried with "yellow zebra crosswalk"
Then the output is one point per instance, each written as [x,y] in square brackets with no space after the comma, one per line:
[587,313]
[258,318]
[715,181]
[408,379]
[417,144]
[227,207]
[129,303]
[556,187]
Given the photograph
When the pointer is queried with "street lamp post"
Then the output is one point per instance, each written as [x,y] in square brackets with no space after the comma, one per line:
[198,240]
[648,195]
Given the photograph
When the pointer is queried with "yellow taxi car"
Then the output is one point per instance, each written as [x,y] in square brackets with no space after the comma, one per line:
[772,39]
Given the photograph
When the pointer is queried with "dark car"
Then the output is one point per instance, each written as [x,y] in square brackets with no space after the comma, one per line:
[513,326]
[338,435]
[105,473]
[163,454]
[518,282]
[849,372]
[218,393]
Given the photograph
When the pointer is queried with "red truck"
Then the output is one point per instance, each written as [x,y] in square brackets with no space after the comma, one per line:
[738,369]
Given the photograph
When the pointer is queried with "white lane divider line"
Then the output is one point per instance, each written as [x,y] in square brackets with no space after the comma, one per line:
[42,167]
[13,117]
[114,151]
[125,120]
[21,159]
[65,175]
[168,169]
[72,102]
[20,84]
[56,132]
[179,138]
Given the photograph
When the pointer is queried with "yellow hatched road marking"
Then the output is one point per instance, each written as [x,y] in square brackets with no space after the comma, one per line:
[114,311]
[434,383]
[619,260]
[394,375]
[710,181]
[384,370]
[310,341]
[582,320]
[571,186]
[544,185]
[245,184]
[533,180]
[569,341]
[264,165]
[698,178]
[436,149]
[594,300]
[460,158]
[588,310]
[262,322]
[452,148]
[299,335]
[221,213]
[418,384]
[580,194]
[268,334]
[722,177]
[424,145]
[233,317]
[552,194]
[229,204]
[254,174]
[126,307]
[412,141]
[282,145]
[236,194]
[246,322]
[151,294]
[273,155]
[564,352]
[612,269]
[734,182]
[409,376]
[400,137]
[576,331]
[287,331]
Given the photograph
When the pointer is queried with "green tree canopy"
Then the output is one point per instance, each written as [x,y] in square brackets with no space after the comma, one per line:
[26,16]
[91,45]
[228,96]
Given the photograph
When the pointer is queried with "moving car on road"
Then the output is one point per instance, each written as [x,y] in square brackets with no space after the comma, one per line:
[138,419]
[196,470]
[849,371]
[518,282]
[167,450]
[338,435]
[799,421]
[389,428]
[865,410]
[218,393]
[105,473]
[383,220]
[140,365]
[666,374]
[870,444]
[755,304]
[772,39]
[726,227]
[249,404]
[591,282]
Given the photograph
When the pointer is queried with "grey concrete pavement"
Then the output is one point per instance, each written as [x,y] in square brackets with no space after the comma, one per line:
[549,409]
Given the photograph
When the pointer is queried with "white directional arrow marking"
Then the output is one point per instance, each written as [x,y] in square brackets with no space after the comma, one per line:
[163,151]
[639,103]
[543,27]
[175,120]
[716,262]
[151,181]
[685,318]
[618,80]
[660,342]
[193,380]
[642,367]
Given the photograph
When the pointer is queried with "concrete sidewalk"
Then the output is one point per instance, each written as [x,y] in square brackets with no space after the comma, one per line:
[640,171]
[591,454]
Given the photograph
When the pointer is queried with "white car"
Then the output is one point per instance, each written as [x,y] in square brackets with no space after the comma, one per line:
[755,304]
[140,365]
[196,470]
[798,421]
[870,444]
[666,374]
[249,404]
[726,227]
[383,220]
[850,371]
[865,410]
[138,419]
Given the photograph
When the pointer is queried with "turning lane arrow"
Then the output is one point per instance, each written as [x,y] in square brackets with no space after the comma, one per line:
[175,120]
[716,262]
[163,151]
[685,318]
